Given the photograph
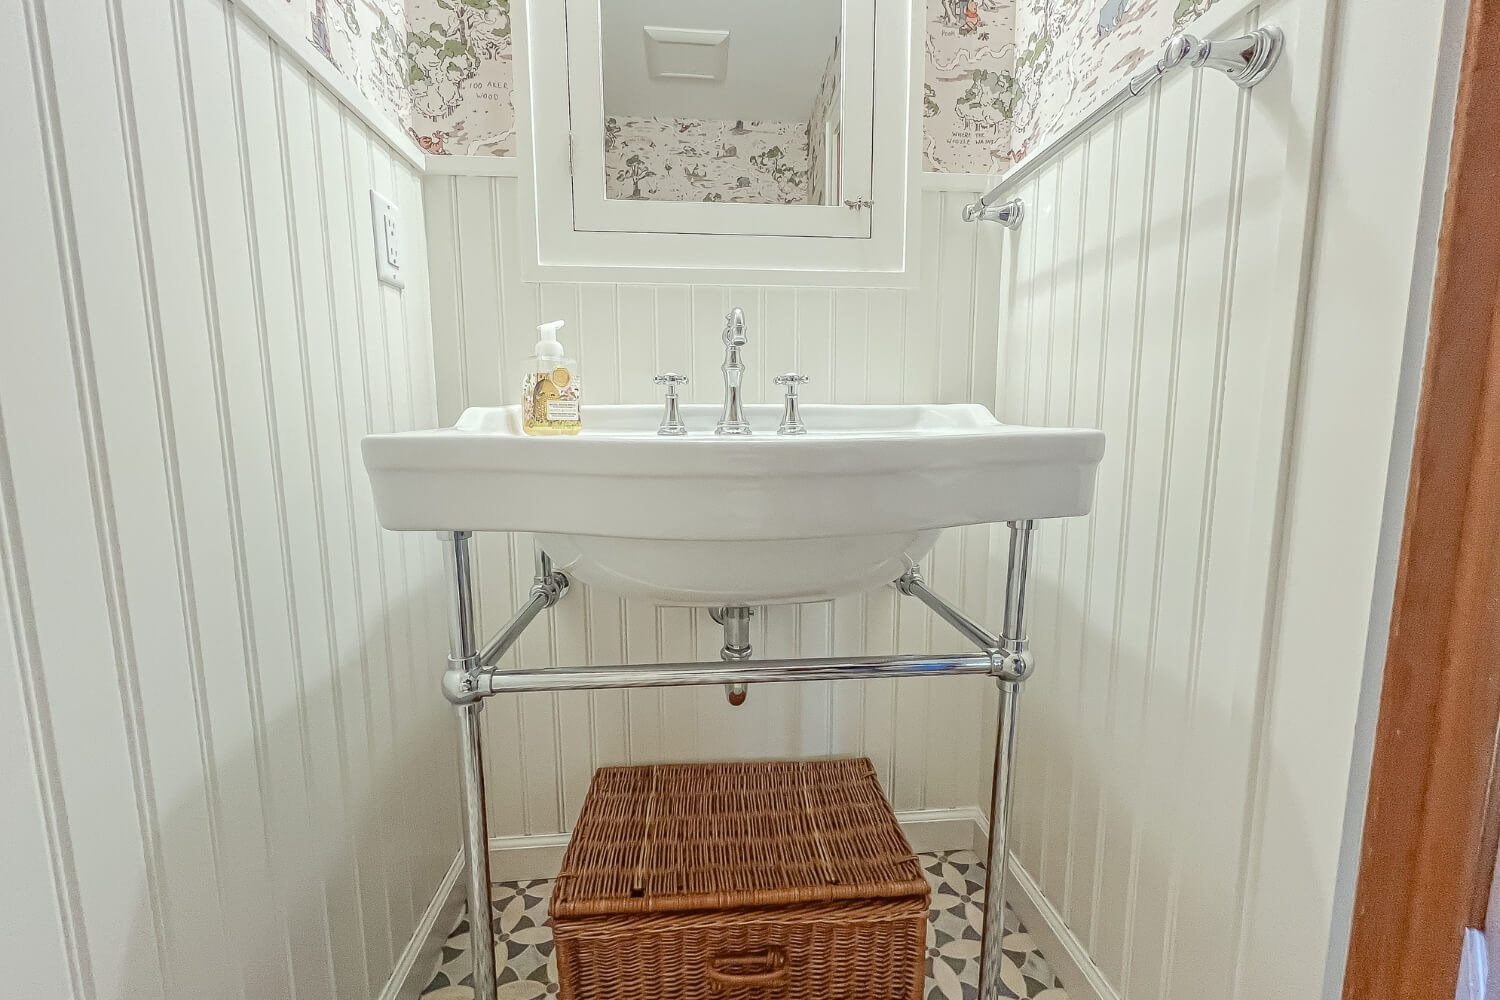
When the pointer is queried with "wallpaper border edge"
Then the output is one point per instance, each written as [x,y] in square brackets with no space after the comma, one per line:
[342,88]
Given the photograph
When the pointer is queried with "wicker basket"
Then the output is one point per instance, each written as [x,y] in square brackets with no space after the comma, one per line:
[748,880]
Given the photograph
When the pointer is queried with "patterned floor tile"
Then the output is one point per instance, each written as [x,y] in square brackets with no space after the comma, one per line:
[527,967]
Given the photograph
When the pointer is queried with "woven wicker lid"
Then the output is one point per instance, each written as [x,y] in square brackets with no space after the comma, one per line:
[676,837]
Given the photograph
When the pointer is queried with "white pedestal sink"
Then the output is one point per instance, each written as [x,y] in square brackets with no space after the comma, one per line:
[709,520]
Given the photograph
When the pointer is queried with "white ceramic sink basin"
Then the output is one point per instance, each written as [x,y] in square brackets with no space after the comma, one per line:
[710,520]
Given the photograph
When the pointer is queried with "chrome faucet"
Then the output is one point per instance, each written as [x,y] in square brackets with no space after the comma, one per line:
[732,419]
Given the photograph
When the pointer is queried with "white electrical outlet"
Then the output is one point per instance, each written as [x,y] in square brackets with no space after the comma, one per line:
[387,218]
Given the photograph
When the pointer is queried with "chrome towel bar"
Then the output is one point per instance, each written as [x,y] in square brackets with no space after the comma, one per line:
[1245,59]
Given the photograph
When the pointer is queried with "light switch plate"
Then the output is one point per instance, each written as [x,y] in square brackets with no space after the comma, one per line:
[388,240]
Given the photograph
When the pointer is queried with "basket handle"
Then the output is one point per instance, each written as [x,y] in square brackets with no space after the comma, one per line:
[759,968]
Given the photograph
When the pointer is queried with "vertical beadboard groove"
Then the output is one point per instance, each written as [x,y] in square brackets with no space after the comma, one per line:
[392,328]
[230,465]
[182,59]
[1140,320]
[391,560]
[262,304]
[462,332]
[1211,473]
[330,615]
[1078,701]
[362,322]
[1185,241]
[1064,411]
[416,898]
[346,448]
[1047,186]
[257,699]
[149,284]
[39,736]
[1095,520]
[299,670]
[90,421]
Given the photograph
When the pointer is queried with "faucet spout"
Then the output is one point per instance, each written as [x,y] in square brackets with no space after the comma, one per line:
[734,328]
[732,418]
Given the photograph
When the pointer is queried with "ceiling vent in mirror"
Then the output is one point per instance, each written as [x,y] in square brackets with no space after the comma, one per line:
[687,53]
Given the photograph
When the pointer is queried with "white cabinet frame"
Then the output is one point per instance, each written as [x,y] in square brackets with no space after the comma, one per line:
[803,248]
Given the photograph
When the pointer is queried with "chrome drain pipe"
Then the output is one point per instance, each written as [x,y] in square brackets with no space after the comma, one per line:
[736,622]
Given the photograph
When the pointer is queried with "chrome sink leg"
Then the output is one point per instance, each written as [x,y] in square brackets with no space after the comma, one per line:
[463,654]
[736,622]
[1013,644]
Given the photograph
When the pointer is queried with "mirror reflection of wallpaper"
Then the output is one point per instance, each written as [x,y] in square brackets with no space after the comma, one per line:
[690,159]
[1074,55]
[817,128]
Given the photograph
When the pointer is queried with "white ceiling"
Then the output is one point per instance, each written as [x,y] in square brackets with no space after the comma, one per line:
[777,51]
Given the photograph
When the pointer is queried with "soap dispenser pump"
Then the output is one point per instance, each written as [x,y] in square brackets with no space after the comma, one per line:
[552,392]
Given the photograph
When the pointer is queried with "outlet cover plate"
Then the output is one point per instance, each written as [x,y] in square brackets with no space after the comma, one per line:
[389,243]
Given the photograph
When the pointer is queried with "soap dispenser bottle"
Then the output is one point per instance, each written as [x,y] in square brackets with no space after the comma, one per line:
[552,391]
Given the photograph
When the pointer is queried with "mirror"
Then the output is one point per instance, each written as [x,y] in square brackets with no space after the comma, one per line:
[722,117]
[721,102]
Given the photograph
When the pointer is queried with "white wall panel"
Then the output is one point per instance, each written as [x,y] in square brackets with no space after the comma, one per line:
[1154,292]
[857,346]
[220,778]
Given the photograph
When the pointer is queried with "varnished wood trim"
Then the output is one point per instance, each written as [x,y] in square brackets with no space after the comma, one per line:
[1423,855]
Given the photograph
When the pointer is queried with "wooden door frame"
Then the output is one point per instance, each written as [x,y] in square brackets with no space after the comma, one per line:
[1432,820]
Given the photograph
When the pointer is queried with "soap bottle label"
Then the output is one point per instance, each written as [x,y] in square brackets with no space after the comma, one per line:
[562,409]
[550,402]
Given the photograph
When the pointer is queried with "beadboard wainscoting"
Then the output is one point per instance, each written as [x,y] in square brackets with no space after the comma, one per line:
[1155,292]
[227,771]
[857,346]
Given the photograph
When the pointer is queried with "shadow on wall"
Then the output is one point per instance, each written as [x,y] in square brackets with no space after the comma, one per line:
[1135,806]
[334,834]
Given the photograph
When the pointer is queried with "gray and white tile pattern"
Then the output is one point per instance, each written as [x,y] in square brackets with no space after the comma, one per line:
[527,967]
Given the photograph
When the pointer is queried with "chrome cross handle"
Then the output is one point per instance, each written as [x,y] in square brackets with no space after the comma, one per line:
[791,416]
[671,418]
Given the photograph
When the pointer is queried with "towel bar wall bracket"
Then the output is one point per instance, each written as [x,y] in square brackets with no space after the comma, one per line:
[1246,59]
[471,677]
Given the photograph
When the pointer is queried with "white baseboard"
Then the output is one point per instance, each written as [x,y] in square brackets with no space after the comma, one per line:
[1066,954]
[514,859]
[939,829]
[520,859]
[415,963]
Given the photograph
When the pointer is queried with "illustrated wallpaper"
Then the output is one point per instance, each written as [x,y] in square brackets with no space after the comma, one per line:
[690,159]
[1073,55]
[460,77]
[1003,76]
[970,93]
